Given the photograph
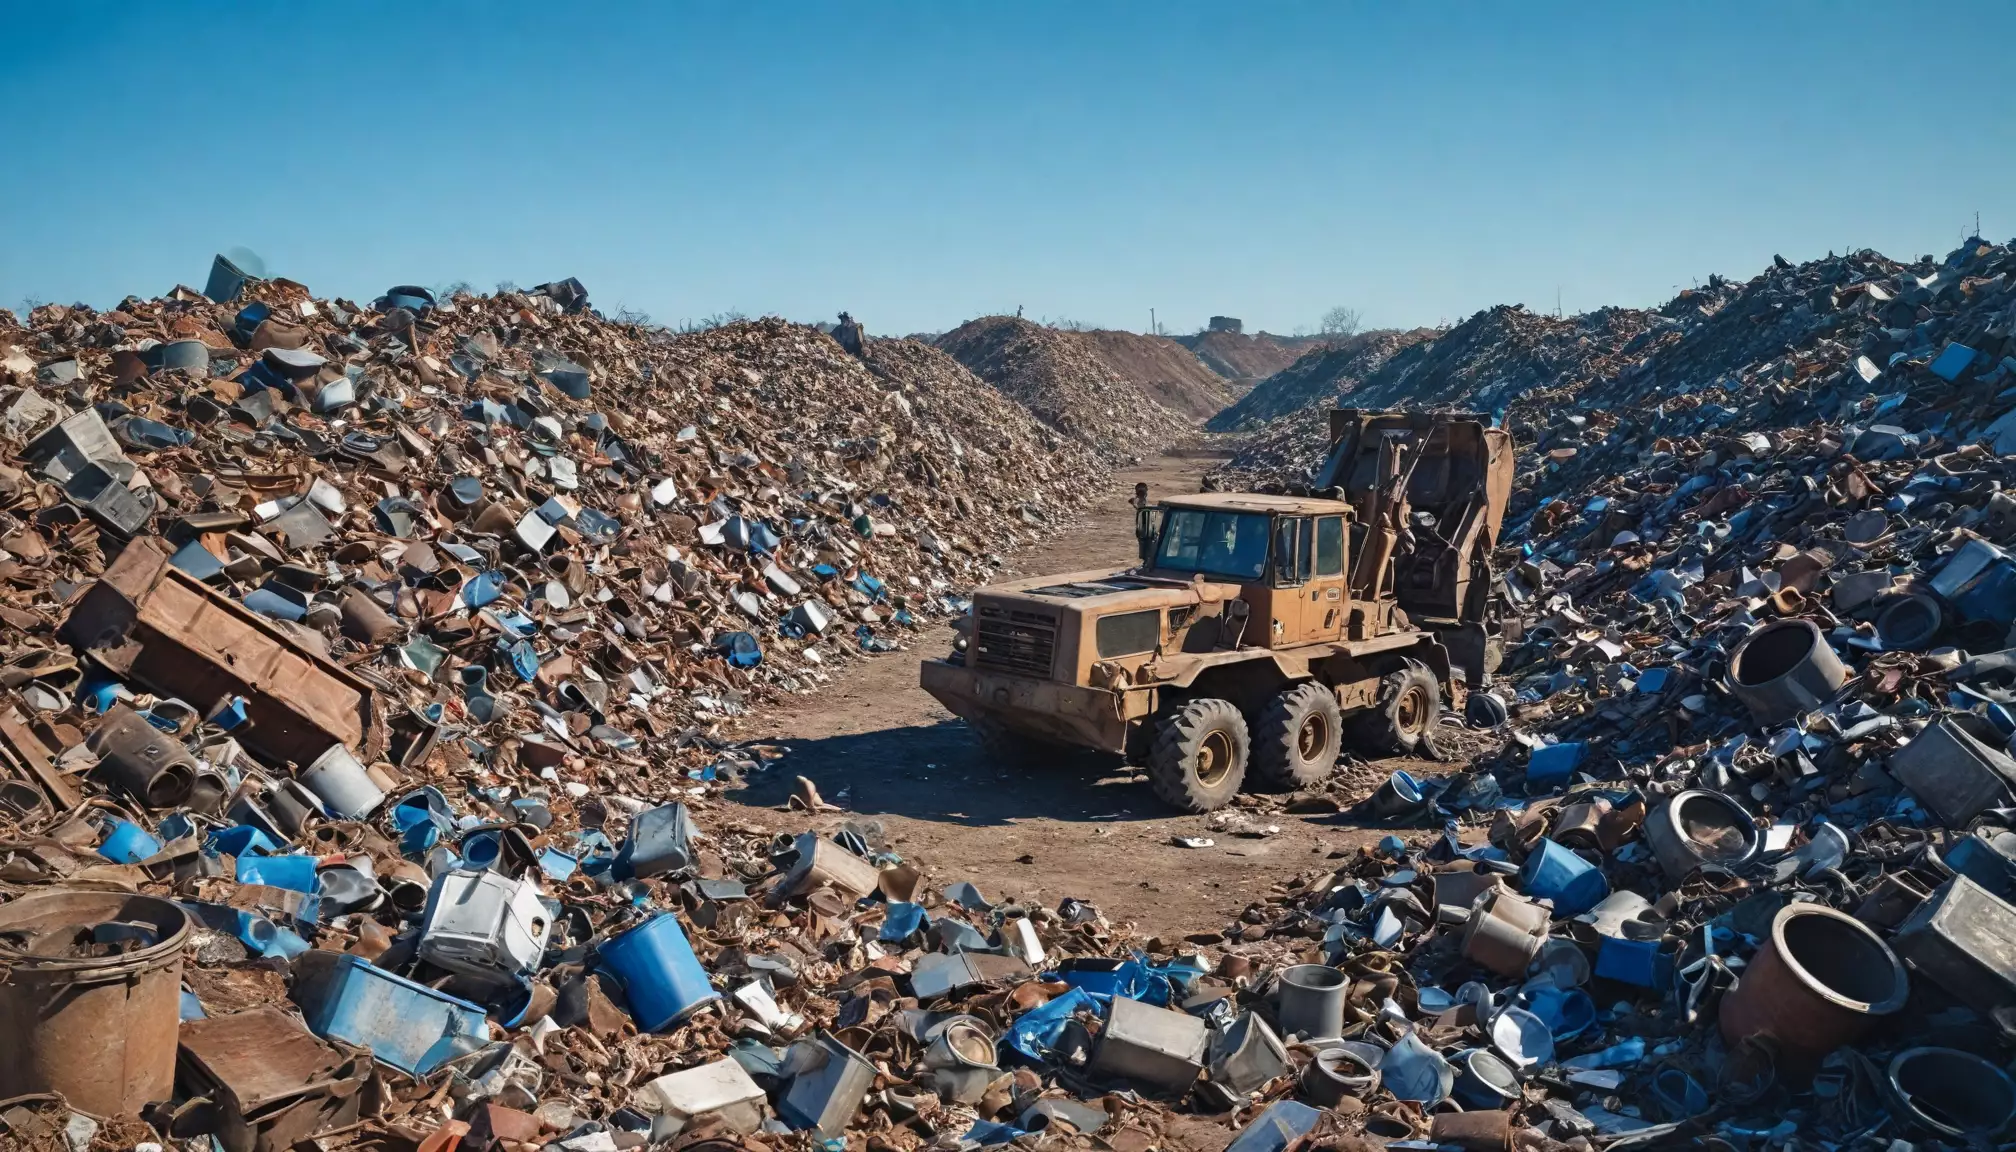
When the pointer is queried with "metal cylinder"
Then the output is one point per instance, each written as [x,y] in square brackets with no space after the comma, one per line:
[81,1016]
[1784,668]
[1312,1001]
[1336,1073]
[1816,984]
[340,781]
[1910,623]
[1953,1093]
[1700,827]
[1484,1080]
[1488,1131]
[1505,932]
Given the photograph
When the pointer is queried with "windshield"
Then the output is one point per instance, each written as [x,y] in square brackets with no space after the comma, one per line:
[1230,544]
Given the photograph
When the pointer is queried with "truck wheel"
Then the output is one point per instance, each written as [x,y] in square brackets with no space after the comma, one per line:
[1299,736]
[1199,758]
[1410,703]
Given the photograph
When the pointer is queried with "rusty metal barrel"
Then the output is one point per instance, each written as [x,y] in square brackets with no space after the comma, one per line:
[1817,983]
[90,999]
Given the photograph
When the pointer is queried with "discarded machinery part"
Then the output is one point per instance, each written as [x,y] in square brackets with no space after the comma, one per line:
[1953,1093]
[1699,827]
[1486,1131]
[661,977]
[1336,1073]
[1910,623]
[1784,668]
[343,784]
[1816,984]
[99,1029]
[1953,772]
[1486,710]
[1505,932]
[1963,939]
[264,1081]
[1312,1001]
[142,761]
[1484,1079]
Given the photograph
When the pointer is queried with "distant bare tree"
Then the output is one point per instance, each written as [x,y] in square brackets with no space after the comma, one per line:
[707,323]
[1340,321]
[628,315]
[453,289]
[1066,324]
[504,286]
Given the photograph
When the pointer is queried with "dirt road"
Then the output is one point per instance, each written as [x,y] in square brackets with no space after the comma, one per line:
[1087,826]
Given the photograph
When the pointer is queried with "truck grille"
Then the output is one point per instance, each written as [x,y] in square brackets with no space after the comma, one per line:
[1014,640]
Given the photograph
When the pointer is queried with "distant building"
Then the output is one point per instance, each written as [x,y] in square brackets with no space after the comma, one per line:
[1227,324]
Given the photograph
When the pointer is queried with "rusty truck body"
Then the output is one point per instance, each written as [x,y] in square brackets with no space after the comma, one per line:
[1256,625]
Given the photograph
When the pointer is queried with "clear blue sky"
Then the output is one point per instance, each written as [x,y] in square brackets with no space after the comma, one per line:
[924,163]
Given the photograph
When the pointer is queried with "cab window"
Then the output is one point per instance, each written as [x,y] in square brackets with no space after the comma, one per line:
[1330,546]
[1292,541]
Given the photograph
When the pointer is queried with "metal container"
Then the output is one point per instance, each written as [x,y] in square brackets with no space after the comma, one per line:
[1955,1094]
[409,1026]
[272,1084]
[1988,857]
[1483,1080]
[1815,985]
[340,781]
[1784,668]
[1954,773]
[826,1083]
[1487,1131]
[98,1029]
[1700,827]
[821,861]
[1153,1047]
[1963,939]
[1246,1055]
[660,841]
[1910,623]
[481,923]
[1505,933]
[1336,1073]
[959,1058]
[1284,1122]
[1313,997]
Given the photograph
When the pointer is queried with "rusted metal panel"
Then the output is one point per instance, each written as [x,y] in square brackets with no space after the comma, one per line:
[268,1080]
[155,624]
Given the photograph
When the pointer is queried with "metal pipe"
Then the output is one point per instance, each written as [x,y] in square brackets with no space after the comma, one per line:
[1784,668]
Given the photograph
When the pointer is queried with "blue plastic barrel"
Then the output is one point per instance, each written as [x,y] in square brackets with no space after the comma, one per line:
[661,978]
[128,843]
[1555,873]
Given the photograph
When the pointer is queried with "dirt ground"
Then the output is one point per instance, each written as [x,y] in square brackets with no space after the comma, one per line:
[1087,826]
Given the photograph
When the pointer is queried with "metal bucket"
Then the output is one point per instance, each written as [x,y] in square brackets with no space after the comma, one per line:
[1817,983]
[99,1029]
[1504,933]
[1953,1093]
[1312,1001]
[340,781]
[1700,827]
[1784,668]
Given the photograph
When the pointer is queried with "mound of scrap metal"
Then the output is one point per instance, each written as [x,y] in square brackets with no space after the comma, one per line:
[1063,378]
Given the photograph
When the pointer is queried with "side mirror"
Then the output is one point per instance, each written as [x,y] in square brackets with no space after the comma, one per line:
[1147,526]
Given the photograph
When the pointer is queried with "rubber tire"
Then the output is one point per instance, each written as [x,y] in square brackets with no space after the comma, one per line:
[1179,738]
[1277,760]
[1380,726]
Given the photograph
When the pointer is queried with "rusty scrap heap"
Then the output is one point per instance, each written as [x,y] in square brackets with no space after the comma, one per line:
[1743,874]
[1061,377]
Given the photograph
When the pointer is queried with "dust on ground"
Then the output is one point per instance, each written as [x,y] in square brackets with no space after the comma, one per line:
[1085,826]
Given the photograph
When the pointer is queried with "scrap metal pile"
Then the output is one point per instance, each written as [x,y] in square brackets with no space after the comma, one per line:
[1743,874]
[1314,383]
[1061,378]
